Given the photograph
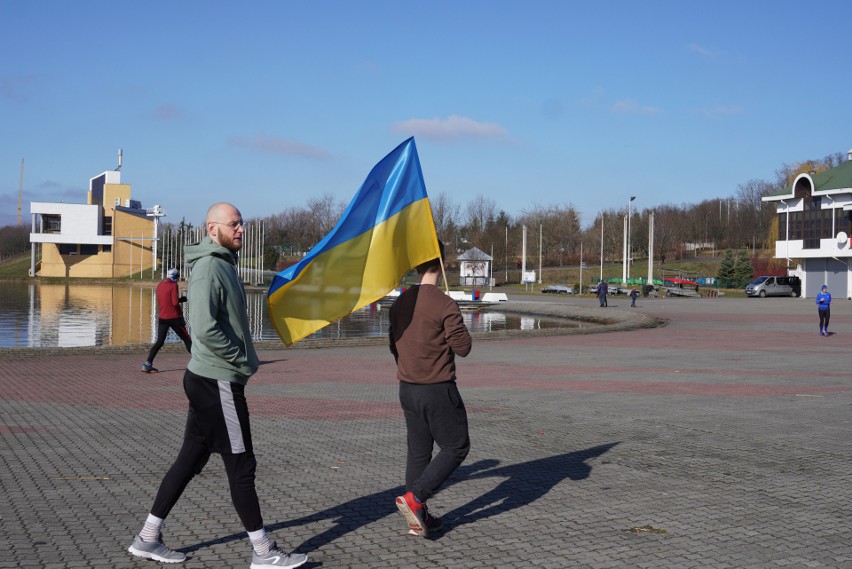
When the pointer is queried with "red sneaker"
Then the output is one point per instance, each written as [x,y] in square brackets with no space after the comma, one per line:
[415,514]
[432,523]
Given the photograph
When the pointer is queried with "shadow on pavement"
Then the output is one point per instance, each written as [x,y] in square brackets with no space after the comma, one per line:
[524,484]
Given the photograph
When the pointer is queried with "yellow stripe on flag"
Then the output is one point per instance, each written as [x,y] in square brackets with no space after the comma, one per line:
[355,273]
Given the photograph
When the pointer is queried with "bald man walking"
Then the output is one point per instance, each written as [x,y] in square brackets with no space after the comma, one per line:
[222,361]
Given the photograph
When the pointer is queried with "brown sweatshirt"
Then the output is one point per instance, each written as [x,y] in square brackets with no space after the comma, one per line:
[426,332]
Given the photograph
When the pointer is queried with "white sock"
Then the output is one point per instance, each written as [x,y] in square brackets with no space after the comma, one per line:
[151,530]
[260,541]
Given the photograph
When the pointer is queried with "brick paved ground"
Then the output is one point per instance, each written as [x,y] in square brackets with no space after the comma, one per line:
[724,434]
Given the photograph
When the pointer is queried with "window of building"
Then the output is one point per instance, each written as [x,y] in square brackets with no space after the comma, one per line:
[814,223]
[67,248]
[107,249]
[51,223]
[89,249]
[108,226]
[97,187]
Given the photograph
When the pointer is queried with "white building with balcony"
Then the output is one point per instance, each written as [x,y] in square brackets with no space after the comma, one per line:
[109,236]
[814,229]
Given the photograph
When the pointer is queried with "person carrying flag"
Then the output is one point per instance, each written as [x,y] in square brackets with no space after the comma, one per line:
[426,334]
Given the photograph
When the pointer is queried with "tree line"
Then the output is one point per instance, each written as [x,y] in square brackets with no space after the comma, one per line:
[14,240]
[741,220]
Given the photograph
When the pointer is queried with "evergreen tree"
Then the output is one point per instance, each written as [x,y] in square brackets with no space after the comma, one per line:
[726,270]
[270,258]
[743,269]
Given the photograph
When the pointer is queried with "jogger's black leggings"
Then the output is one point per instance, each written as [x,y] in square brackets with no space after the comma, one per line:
[824,317]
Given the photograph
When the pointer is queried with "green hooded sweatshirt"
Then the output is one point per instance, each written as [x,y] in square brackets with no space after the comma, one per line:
[221,340]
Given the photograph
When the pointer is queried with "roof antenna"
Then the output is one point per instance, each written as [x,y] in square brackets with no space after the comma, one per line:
[119,161]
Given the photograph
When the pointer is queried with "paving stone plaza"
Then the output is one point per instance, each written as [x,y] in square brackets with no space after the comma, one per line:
[717,439]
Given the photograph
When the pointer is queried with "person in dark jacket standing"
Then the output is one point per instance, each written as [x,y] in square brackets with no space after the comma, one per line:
[426,333]
[169,316]
[603,289]
[823,302]
[223,359]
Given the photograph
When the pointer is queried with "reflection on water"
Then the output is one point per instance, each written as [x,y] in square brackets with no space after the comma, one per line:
[54,315]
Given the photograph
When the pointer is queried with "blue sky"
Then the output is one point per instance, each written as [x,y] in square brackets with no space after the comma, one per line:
[267,104]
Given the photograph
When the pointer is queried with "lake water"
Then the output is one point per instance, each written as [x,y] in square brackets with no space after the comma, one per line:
[37,315]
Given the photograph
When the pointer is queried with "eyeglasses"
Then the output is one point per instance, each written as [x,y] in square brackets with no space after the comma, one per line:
[234,224]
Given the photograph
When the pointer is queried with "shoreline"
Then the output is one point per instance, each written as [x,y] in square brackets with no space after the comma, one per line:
[592,322]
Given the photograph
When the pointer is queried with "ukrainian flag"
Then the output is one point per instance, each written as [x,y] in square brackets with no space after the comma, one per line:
[386,231]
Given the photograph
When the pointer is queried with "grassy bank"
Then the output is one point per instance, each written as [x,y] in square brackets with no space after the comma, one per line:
[16,267]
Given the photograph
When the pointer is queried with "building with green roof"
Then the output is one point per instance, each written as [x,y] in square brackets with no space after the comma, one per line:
[814,229]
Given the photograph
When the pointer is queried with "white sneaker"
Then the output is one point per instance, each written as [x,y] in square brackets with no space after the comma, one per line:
[155,550]
[277,559]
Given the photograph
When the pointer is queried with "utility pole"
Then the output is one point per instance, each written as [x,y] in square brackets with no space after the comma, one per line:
[602,244]
[651,248]
[524,257]
[540,252]
[507,255]
[629,245]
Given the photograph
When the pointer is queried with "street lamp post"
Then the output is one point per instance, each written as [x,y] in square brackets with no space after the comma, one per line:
[629,253]
[506,253]
[602,244]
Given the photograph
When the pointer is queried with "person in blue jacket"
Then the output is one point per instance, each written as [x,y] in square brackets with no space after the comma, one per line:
[823,302]
[603,289]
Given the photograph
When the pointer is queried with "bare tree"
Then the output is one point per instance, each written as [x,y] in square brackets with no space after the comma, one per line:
[445,212]
[14,240]
[480,210]
[560,231]
[325,212]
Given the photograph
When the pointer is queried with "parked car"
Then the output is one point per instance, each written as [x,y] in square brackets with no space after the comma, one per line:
[558,289]
[774,286]
[611,289]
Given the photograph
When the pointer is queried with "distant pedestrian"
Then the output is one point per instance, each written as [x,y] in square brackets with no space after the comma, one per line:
[603,289]
[633,295]
[169,316]
[823,302]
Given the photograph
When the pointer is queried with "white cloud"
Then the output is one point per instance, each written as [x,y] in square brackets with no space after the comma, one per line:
[450,129]
[631,106]
[721,111]
[282,146]
[703,51]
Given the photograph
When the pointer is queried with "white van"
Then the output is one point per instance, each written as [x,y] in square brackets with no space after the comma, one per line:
[774,286]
